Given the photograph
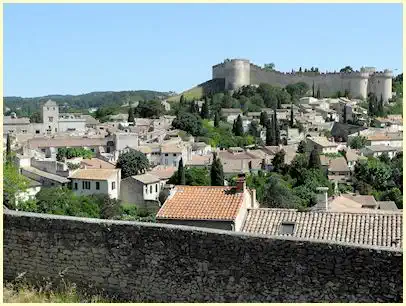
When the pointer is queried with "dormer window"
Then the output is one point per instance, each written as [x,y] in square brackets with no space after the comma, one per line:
[287,228]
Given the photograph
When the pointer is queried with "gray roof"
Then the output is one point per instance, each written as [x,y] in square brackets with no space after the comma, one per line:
[50,103]
[33,183]
[8,120]
[374,228]
[387,205]
[50,176]
[381,148]
[146,178]
[365,200]
[338,165]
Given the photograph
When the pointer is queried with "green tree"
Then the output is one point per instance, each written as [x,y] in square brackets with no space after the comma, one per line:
[346,69]
[263,119]
[216,120]
[380,108]
[358,142]
[270,134]
[149,109]
[189,123]
[182,101]
[269,67]
[278,161]
[313,92]
[132,163]
[8,148]
[384,157]
[314,159]
[193,177]
[205,113]
[277,132]
[238,128]
[297,90]
[130,115]
[278,194]
[373,172]
[181,173]
[318,95]
[216,172]
[301,148]
[35,117]
[395,195]
[13,184]
[253,128]
[292,122]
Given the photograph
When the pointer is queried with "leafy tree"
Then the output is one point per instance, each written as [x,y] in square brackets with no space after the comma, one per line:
[189,123]
[35,117]
[13,184]
[314,159]
[149,109]
[299,165]
[132,163]
[182,101]
[292,122]
[216,120]
[395,195]
[130,115]
[216,172]
[110,208]
[297,90]
[238,129]
[301,148]
[269,67]
[73,152]
[263,119]
[279,160]
[181,173]
[205,113]
[270,134]
[278,194]
[384,157]
[253,128]
[373,172]
[358,142]
[346,69]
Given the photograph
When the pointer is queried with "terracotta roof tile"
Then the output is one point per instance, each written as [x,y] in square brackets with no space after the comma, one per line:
[96,163]
[375,228]
[202,203]
[94,174]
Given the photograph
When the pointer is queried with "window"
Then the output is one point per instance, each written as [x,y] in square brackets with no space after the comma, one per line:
[287,228]
[97,185]
[174,154]
[174,163]
[156,187]
[85,185]
[56,130]
[166,161]
[166,154]
[76,186]
[37,131]
[113,185]
[146,189]
[50,119]
[24,131]
[150,189]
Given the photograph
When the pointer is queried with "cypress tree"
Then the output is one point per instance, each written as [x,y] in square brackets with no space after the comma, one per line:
[263,164]
[182,100]
[291,116]
[301,148]
[216,172]
[130,115]
[181,173]
[277,133]
[318,95]
[8,148]
[314,160]
[216,120]
[263,119]
[380,107]
[300,69]
[205,113]
[345,113]
[239,129]
[313,90]
[270,135]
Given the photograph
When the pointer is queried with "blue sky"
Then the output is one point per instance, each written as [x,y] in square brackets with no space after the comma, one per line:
[79,48]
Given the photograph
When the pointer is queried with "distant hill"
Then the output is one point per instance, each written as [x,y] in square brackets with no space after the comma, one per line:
[197,92]
[26,106]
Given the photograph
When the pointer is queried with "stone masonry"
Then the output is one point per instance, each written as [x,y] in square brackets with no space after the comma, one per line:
[145,262]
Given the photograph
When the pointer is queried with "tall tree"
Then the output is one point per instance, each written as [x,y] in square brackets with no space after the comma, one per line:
[270,133]
[132,163]
[263,164]
[300,69]
[277,132]
[380,107]
[314,159]
[181,173]
[182,100]
[216,172]
[291,116]
[238,129]
[313,94]
[130,115]
[263,118]
[301,148]
[318,95]
[279,160]
[8,147]
[216,120]
[205,113]
[345,113]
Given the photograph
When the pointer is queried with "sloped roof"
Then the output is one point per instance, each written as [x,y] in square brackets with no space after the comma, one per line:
[387,205]
[163,172]
[94,174]
[47,175]
[365,200]
[96,163]
[202,203]
[146,178]
[338,165]
[358,228]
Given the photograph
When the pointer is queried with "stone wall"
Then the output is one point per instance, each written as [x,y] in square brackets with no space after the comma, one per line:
[156,262]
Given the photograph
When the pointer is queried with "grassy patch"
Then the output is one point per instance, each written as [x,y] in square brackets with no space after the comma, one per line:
[194,93]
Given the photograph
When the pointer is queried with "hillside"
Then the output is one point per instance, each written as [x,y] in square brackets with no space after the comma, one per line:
[26,106]
[197,92]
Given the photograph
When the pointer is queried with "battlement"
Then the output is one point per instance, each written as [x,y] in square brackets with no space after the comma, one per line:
[383,74]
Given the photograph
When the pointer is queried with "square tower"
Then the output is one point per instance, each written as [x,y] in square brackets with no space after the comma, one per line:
[50,117]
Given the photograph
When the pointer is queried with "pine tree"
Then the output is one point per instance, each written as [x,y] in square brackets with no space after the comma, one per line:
[130,115]
[300,69]
[181,173]
[263,119]
[238,129]
[380,107]
[313,90]
[270,135]
[216,172]
[8,148]
[371,109]
[291,116]
[205,113]
[216,120]
[277,133]
[301,148]
[345,113]
[318,95]
[263,164]
[314,160]
[182,100]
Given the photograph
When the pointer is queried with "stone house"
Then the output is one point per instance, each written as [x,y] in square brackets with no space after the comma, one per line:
[338,170]
[378,150]
[322,145]
[217,207]
[46,179]
[96,181]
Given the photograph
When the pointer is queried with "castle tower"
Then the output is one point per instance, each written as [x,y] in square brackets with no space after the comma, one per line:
[381,84]
[236,73]
[356,83]
[50,117]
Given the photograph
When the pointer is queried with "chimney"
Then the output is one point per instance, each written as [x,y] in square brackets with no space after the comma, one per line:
[322,198]
[240,186]
[254,198]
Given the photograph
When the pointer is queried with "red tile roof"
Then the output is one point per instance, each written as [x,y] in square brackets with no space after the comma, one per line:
[202,203]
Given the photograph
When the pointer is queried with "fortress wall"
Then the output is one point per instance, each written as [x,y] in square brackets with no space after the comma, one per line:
[218,71]
[381,84]
[167,263]
[237,74]
[329,83]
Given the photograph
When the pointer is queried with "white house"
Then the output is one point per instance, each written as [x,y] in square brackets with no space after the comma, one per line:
[97,181]
[172,153]
[141,190]
[33,188]
[322,145]
[386,139]
[378,150]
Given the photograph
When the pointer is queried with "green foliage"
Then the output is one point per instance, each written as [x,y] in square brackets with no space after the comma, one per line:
[216,120]
[132,163]
[205,113]
[373,172]
[347,69]
[278,161]
[269,67]
[130,212]
[297,90]
[13,184]
[395,195]
[358,142]
[130,115]
[73,166]
[149,109]
[263,119]
[8,147]
[238,129]
[278,194]
[189,123]
[314,159]
[253,129]
[73,152]
[301,148]
[318,94]
[194,176]
[181,173]
[35,117]
[216,172]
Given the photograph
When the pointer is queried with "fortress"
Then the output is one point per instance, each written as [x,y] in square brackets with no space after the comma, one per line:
[240,72]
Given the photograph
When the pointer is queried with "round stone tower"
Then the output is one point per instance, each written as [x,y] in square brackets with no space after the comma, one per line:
[381,84]
[356,83]
[236,73]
